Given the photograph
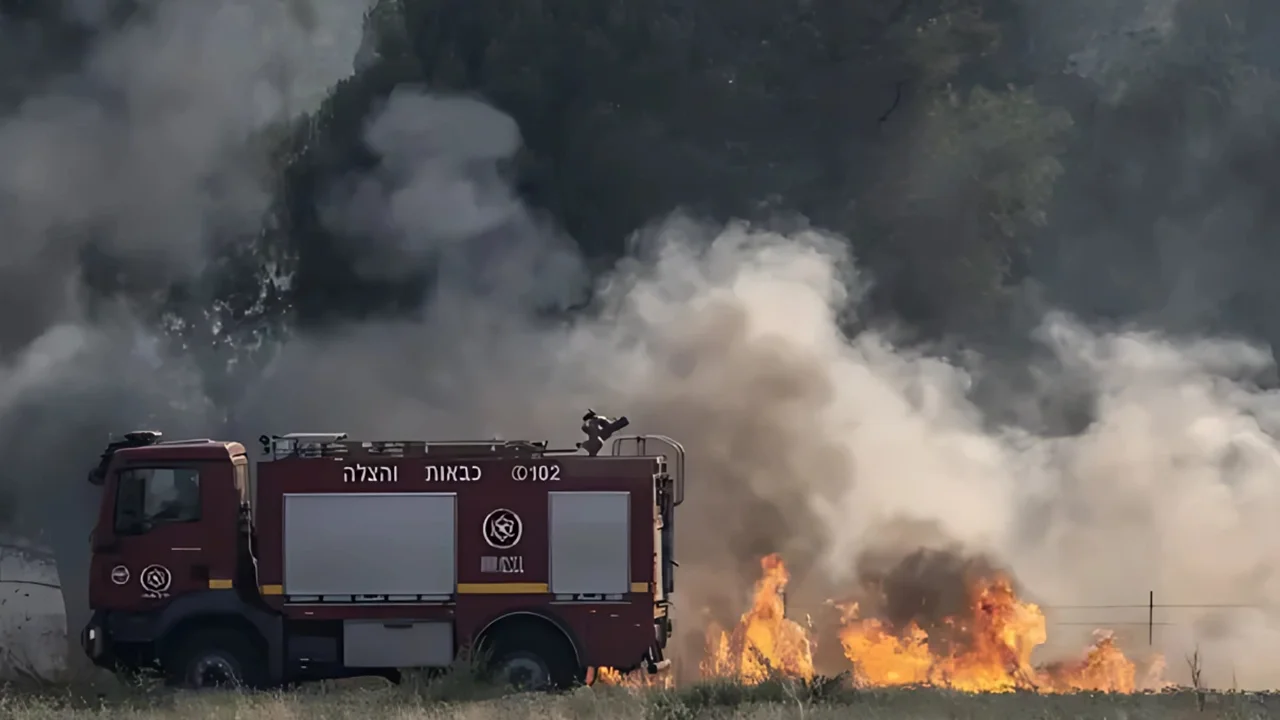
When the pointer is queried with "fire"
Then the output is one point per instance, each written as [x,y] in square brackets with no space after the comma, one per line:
[609,676]
[987,651]
[988,648]
[636,679]
[765,642]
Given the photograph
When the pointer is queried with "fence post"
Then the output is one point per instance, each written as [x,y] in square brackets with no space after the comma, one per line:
[1151,618]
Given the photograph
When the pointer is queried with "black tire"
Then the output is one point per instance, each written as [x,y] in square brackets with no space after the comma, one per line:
[533,656]
[214,658]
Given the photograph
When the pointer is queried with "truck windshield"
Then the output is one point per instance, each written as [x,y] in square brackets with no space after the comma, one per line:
[147,497]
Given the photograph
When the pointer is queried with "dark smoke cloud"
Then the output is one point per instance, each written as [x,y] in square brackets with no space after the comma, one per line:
[923,588]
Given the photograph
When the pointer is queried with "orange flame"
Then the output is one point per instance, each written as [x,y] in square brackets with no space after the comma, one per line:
[609,676]
[992,651]
[636,679]
[988,649]
[765,642]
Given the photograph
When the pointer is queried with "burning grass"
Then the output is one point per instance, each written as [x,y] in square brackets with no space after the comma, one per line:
[980,639]
[971,661]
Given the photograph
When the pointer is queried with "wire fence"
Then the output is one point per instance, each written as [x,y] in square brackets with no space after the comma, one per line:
[1150,606]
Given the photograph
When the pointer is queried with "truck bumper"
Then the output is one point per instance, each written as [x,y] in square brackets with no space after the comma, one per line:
[95,640]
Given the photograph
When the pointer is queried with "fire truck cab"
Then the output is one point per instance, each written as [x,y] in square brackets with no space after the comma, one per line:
[336,557]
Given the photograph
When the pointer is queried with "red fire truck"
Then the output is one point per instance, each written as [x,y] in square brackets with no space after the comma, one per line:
[338,558]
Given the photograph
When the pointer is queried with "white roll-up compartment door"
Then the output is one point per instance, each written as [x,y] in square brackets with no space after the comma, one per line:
[590,536]
[399,544]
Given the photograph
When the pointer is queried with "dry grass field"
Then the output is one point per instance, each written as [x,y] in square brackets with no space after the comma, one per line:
[759,681]
[454,698]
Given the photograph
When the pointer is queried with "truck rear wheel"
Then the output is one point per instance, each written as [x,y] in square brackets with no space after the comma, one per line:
[533,656]
[214,658]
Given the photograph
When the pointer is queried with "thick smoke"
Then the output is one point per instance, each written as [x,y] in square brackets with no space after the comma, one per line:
[149,151]
[823,446]
[804,438]
[928,588]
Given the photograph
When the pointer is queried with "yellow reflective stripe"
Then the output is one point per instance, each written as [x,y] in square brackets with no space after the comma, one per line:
[523,588]
[219,584]
[471,588]
[502,588]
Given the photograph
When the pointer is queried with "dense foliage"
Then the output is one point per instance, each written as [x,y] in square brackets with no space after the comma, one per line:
[964,146]
[977,153]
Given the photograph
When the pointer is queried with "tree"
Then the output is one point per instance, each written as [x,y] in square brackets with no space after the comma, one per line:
[1162,214]
[967,180]
[629,111]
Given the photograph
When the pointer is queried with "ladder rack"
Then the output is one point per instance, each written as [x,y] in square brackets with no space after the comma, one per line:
[338,445]
[640,446]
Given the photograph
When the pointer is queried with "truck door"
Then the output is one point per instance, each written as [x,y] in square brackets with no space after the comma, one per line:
[149,544]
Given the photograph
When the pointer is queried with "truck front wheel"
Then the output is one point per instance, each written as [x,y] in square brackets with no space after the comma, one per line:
[212,658]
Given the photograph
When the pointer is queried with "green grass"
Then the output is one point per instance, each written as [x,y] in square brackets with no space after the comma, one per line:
[461,698]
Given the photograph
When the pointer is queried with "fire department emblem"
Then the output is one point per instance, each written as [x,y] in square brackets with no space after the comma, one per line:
[502,529]
[155,579]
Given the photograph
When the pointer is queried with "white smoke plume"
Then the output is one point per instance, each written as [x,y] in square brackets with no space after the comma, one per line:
[818,443]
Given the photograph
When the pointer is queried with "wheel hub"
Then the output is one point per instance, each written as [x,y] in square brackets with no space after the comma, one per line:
[214,671]
[525,673]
